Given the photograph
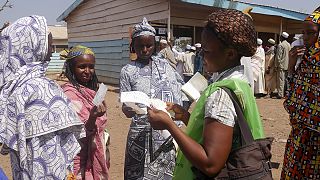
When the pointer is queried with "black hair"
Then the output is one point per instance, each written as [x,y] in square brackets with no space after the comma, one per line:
[69,73]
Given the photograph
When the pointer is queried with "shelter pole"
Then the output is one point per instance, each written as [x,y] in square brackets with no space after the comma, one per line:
[194,34]
[280,27]
[169,22]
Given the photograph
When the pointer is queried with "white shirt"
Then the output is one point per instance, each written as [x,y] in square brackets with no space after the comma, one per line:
[219,105]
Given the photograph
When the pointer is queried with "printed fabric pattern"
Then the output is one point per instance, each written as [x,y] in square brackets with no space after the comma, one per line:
[37,122]
[302,152]
[159,80]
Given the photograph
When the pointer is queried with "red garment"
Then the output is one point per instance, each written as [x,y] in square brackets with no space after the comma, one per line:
[91,162]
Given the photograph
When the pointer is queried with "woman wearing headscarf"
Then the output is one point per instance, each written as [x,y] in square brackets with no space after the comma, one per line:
[302,152]
[37,122]
[150,154]
[212,129]
[91,163]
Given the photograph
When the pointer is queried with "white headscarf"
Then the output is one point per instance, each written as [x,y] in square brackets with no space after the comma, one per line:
[143,29]
[23,42]
[31,105]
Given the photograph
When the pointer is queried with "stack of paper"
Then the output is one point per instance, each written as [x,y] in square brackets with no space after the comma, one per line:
[101,93]
[132,98]
[195,86]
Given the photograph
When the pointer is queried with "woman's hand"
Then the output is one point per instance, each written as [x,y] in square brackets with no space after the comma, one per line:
[96,111]
[294,54]
[180,112]
[128,111]
[159,119]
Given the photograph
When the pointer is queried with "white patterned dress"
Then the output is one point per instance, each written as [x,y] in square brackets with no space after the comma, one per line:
[142,160]
[37,123]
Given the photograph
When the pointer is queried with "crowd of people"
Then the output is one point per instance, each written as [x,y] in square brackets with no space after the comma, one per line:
[57,132]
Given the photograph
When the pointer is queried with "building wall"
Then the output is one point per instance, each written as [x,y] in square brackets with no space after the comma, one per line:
[197,15]
[104,26]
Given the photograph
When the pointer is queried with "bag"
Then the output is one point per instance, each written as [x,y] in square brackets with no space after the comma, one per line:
[249,162]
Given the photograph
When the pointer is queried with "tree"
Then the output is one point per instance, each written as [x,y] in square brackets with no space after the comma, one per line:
[6,5]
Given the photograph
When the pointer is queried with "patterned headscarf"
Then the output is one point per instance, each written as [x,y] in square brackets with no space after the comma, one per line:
[314,17]
[235,29]
[79,50]
[23,42]
[32,105]
[143,29]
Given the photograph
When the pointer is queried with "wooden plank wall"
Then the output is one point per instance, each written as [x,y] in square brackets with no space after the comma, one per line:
[104,26]
[198,14]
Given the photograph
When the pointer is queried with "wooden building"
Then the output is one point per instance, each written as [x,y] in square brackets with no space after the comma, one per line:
[59,37]
[104,25]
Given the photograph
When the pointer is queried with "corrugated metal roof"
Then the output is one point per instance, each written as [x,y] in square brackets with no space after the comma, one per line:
[277,4]
[66,13]
[259,9]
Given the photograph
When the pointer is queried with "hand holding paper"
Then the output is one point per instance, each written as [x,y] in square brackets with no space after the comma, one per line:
[101,93]
[131,99]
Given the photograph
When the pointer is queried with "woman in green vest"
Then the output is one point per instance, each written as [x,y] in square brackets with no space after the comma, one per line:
[212,130]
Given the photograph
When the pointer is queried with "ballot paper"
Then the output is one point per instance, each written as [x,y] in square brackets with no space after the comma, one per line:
[195,86]
[298,42]
[100,95]
[133,98]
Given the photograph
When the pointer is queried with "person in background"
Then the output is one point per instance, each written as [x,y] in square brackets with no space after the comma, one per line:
[188,62]
[258,65]
[270,74]
[179,63]
[248,72]
[198,60]
[302,151]
[298,41]
[212,128]
[92,162]
[150,154]
[167,53]
[37,122]
[281,63]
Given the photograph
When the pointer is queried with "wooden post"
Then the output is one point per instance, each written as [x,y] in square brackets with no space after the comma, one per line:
[169,22]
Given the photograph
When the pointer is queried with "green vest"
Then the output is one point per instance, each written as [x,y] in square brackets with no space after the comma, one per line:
[195,126]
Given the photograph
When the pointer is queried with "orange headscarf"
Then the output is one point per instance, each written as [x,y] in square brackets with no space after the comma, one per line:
[314,17]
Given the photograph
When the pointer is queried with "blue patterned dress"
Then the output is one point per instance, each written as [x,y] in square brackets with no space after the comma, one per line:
[157,80]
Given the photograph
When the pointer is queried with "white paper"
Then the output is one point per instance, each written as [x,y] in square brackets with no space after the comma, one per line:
[130,99]
[298,42]
[100,95]
[136,108]
[195,86]
[135,97]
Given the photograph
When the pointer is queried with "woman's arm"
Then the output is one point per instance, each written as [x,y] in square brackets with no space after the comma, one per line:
[211,156]
[124,87]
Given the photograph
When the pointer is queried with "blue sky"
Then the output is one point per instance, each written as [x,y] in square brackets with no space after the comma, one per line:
[51,9]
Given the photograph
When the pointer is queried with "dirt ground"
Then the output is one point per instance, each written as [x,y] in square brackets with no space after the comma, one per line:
[274,117]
